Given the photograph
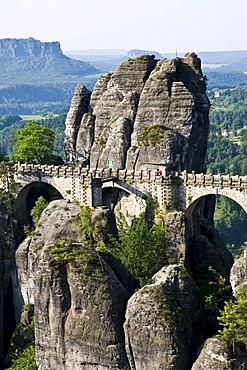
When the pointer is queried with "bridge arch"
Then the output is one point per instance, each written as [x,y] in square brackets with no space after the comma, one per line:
[199,220]
[194,194]
[27,197]
[127,198]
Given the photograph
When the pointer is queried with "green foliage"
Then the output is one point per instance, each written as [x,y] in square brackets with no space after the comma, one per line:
[62,252]
[54,122]
[230,221]
[141,247]
[212,285]
[82,259]
[34,143]
[229,156]
[40,204]
[85,222]
[8,120]
[233,319]
[26,360]
[151,136]
[225,80]
[22,348]
[229,111]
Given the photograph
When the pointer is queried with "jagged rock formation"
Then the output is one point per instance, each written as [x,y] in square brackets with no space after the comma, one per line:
[149,113]
[79,304]
[14,48]
[217,355]
[77,110]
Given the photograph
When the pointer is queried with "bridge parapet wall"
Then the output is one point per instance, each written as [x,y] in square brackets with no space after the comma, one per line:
[172,191]
[195,186]
[236,181]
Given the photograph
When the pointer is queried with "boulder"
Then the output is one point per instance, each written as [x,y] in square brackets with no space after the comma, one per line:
[163,321]
[216,354]
[238,274]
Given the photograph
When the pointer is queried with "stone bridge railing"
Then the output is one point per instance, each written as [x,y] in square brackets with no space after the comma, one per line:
[172,191]
[193,179]
[78,171]
[194,186]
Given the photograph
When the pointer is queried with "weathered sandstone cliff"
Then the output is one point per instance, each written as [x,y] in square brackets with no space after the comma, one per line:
[79,301]
[147,113]
[163,322]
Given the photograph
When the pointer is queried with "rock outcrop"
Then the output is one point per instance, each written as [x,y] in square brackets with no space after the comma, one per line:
[217,355]
[238,273]
[79,301]
[148,113]
[164,321]
[79,106]
[15,48]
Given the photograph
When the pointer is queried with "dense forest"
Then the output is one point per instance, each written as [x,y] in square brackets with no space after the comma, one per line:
[225,79]
[228,155]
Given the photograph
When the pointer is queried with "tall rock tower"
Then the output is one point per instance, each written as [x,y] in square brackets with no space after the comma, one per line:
[146,114]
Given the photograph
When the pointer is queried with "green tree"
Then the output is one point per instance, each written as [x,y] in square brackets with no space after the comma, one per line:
[233,319]
[26,360]
[21,353]
[85,222]
[40,204]
[34,143]
[141,247]
[230,221]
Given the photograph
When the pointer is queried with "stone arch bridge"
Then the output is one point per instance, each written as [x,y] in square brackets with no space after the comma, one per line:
[171,191]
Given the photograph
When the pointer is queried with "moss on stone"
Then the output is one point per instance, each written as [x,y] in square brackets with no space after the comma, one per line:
[151,136]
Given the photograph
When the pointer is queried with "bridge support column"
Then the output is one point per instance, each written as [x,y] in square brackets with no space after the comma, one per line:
[168,193]
[96,192]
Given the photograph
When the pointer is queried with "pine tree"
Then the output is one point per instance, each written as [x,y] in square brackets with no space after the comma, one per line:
[233,319]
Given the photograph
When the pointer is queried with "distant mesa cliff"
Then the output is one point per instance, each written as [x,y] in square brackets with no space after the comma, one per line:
[15,48]
[30,60]
[134,52]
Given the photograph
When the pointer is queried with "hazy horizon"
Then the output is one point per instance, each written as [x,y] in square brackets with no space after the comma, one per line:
[160,26]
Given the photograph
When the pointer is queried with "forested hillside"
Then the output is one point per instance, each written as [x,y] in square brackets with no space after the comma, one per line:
[227,154]
[36,76]
[227,145]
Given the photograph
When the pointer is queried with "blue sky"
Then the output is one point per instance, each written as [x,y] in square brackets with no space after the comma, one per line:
[162,25]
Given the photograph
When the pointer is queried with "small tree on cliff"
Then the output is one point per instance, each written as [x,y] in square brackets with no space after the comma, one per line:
[233,319]
[40,204]
[33,143]
[142,247]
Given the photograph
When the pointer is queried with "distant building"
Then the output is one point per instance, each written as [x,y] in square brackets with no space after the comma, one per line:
[216,94]
[229,132]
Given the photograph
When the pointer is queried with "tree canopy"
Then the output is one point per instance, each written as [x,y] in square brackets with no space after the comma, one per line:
[34,143]
[233,319]
[142,247]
